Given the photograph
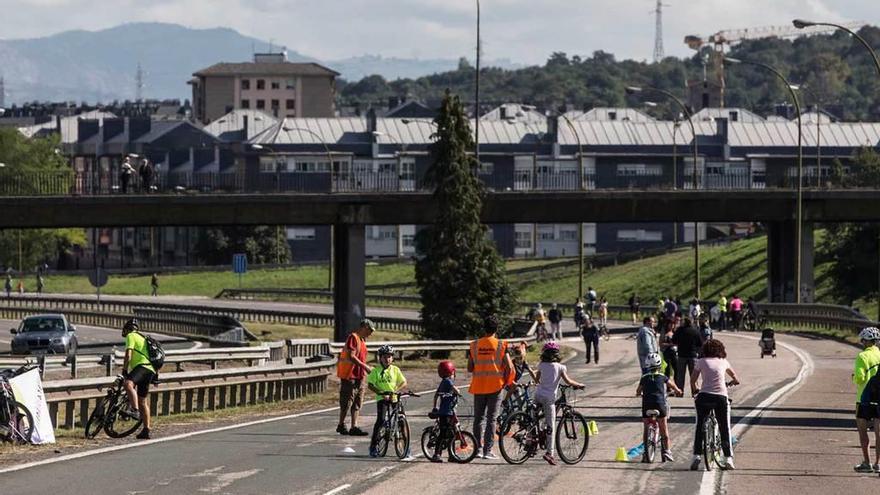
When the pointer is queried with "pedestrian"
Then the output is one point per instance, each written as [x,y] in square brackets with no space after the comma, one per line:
[704,328]
[694,310]
[646,341]
[590,334]
[384,380]
[540,317]
[669,309]
[550,372]
[488,363]
[555,317]
[20,286]
[865,377]
[154,284]
[146,173]
[352,369]
[653,389]
[603,312]
[634,308]
[689,342]
[669,351]
[712,396]
[580,317]
[736,312]
[591,300]
[125,174]
[8,284]
[39,283]
[722,312]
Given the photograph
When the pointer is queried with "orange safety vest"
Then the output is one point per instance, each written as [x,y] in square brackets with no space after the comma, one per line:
[345,366]
[490,373]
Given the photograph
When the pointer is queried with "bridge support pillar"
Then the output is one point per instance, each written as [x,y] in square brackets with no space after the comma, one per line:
[349,278]
[781,261]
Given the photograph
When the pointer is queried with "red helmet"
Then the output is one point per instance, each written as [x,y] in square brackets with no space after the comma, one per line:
[445,369]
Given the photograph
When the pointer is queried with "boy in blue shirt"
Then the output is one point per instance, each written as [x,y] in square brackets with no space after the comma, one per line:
[652,388]
[447,395]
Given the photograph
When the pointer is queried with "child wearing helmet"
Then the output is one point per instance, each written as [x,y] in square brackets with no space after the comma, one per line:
[384,380]
[652,389]
[447,396]
[550,372]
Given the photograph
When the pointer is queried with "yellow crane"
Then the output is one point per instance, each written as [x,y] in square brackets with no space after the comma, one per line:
[717,43]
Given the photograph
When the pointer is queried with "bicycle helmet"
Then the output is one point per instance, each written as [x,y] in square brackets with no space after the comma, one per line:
[131,325]
[385,350]
[445,369]
[870,334]
[550,347]
[652,361]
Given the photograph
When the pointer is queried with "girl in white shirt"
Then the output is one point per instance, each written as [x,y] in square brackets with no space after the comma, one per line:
[550,371]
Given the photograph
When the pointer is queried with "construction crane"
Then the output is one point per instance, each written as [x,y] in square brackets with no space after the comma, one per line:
[719,42]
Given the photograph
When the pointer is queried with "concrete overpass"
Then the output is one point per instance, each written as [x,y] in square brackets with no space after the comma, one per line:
[349,213]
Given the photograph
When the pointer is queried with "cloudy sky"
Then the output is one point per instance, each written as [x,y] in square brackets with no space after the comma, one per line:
[524,31]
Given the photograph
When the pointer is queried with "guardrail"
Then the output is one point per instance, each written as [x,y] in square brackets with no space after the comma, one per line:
[818,316]
[71,401]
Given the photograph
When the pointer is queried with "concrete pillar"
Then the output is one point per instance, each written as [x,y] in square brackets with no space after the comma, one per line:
[349,278]
[781,259]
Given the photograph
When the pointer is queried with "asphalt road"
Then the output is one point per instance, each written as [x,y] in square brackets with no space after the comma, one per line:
[301,454]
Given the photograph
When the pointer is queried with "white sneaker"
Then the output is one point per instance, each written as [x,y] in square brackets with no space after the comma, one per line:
[695,463]
[479,455]
[490,456]
[728,464]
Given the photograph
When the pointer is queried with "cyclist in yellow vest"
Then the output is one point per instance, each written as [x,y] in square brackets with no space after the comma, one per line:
[352,369]
[488,363]
[867,408]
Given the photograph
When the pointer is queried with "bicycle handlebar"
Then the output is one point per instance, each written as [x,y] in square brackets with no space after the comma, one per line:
[400,394]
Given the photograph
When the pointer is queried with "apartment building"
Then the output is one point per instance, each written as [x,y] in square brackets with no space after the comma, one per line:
[270,84]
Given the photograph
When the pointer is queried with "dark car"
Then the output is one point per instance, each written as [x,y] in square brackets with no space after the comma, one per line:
[49,334]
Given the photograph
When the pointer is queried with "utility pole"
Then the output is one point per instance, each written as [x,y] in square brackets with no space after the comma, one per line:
[477,95]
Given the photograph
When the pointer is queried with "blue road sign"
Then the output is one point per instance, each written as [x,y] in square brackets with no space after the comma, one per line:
[239,263]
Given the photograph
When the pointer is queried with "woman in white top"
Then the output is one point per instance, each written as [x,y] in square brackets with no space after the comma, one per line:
[550,371]
[712,396]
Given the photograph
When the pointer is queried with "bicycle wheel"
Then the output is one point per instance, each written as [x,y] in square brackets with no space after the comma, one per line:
[96,420]
[709,443]
[118,425]
[572,437]
[429,442]
[401,438]
[21,424]
[463,447]
[519,438]
[383,439]
[651,442]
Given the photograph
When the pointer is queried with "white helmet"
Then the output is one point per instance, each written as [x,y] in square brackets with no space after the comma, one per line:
[652,361]
[870,334]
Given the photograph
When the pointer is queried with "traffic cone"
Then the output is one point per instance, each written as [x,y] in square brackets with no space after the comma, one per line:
[594,428]
[621,455]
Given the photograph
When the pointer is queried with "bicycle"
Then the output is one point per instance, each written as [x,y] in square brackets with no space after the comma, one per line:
[523,433]
[518,401]
[111,414]
[713,453]
[395,426]
[456,442]
[16,421]
[652,434]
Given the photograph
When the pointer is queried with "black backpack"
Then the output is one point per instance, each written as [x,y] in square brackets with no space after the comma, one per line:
[871,394]
[155,353]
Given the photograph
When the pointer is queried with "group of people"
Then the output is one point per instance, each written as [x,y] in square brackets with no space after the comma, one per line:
[40,282]
[144,170]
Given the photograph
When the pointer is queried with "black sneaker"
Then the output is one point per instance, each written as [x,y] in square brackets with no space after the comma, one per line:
[143,435]
[357,432]
[342,430]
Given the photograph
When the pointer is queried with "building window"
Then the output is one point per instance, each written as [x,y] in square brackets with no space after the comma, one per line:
[568,234]
[261,104]
[486,168]
[290,84]
[276,85]
[522,240]
[311,166]
[408,240]
[290,104]
[261,84]
[545,233]
[639,235]
[245,84]
[245,103]
[301,234]
[275,103]
[638,170]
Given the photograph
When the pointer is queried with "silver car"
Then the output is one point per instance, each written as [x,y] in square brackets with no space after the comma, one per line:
[44,334]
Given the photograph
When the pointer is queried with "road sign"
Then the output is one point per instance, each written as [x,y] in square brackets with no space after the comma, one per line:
[98,277]
[239,263]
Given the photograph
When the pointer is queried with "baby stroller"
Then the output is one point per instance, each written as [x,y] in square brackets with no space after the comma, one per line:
[767,343]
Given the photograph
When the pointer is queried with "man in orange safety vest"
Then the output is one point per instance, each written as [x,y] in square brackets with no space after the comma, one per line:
[351,369]
[490,367]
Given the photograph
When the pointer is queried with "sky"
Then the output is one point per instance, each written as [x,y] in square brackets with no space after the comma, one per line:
[524,31]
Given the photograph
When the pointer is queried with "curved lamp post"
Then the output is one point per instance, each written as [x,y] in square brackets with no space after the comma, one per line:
[801,24]
[644,89]
[800,185]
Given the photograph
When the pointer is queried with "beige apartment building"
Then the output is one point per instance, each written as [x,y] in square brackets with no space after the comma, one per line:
[270,83]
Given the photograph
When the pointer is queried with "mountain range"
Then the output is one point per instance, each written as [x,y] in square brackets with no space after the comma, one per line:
[102,65]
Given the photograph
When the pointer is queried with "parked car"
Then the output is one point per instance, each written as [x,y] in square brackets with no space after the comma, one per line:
[49,334]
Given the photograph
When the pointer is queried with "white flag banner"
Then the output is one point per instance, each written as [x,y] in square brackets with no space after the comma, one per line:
[28,390]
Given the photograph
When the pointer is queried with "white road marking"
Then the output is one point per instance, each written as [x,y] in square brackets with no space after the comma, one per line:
[711,479]
[226,479]
[380,472]
[338,489]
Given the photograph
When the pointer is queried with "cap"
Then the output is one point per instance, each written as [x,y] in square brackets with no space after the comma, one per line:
[366,322]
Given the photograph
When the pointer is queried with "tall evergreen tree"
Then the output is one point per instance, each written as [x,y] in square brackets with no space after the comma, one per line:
[459,272]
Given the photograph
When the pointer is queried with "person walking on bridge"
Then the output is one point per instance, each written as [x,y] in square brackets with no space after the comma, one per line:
[488,363]
[867,381]
[352,369]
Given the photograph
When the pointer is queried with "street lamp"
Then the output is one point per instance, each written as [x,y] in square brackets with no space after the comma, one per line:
[477,95]
[801,24]
[803,88]
[800,185]
[635,90]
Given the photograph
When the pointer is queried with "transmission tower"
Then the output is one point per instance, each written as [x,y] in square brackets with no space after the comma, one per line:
[658,31]
[139,83]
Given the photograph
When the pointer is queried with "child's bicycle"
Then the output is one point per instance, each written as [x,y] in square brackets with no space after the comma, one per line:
[461,444]
[652,434]
[395,427]
[523,433]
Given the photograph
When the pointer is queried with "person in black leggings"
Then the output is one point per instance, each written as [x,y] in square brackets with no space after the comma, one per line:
[590,333]
[712,396]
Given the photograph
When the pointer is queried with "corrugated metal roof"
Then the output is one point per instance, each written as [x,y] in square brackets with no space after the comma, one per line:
[234,121]
[69,126]
[516,111]
[606,114]
[742,115]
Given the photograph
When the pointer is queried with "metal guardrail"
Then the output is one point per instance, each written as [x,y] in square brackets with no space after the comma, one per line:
[814,316]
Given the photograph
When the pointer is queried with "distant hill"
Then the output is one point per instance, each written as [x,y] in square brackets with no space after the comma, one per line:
[101,65]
